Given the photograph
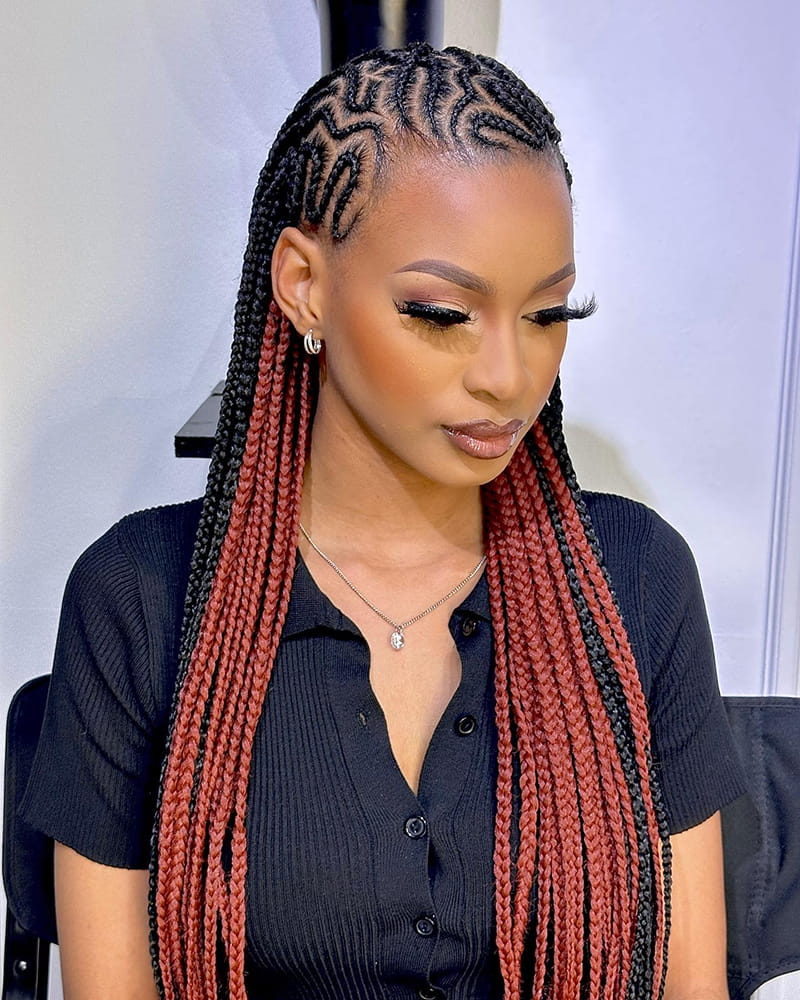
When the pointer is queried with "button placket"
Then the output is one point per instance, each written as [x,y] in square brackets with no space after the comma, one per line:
[402,887]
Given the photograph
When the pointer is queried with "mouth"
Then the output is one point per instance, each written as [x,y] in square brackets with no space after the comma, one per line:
[484,438]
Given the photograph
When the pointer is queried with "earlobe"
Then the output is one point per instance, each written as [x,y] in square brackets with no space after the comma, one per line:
[296,265]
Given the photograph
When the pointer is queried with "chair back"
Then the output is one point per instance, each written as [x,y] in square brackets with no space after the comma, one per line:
[761,837]
[27,857]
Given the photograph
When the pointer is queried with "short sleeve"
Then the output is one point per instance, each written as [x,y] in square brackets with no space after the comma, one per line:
[95,775]
[693,751]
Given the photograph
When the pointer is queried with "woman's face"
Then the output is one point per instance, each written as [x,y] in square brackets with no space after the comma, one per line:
[436,357]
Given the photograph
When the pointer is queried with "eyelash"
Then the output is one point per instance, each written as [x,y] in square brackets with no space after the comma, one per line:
[436,316]
[563,314]
[440,317]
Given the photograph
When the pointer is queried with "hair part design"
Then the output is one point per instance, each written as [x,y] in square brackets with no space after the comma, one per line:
[358,121]
[582,863]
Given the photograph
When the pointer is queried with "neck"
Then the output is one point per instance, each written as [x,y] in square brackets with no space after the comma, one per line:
[358,500]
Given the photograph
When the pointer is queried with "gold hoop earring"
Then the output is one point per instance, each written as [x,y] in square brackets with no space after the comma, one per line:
[311,344]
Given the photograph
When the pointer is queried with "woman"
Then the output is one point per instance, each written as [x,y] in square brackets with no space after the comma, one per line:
[413,750]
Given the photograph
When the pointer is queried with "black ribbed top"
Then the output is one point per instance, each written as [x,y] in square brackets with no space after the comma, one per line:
[357,888]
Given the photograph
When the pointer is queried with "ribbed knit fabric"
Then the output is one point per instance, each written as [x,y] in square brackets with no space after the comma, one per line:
[356,887]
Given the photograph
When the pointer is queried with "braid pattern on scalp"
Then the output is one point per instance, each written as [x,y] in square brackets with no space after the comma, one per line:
[581,875]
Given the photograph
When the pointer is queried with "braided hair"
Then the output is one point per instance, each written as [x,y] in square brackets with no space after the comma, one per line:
[581,852]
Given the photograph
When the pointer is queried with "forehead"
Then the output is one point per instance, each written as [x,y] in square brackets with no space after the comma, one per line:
[518,207]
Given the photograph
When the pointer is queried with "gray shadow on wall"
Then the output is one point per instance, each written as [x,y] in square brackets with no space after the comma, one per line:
[600,466]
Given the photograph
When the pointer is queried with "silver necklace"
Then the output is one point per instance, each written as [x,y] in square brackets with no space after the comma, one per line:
[397,639]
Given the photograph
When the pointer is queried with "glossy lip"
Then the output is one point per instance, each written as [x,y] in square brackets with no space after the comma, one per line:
[484,438]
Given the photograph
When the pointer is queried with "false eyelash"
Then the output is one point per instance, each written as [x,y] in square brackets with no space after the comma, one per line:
[436,316]
[563,314]
[441,317]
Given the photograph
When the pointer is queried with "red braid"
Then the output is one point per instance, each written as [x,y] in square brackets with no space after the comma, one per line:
[204,794]
[581,862]
[578,856]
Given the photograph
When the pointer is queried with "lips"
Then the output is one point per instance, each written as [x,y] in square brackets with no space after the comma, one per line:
[484,438]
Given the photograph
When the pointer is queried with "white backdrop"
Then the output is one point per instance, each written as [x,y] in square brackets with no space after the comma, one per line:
[683,123]
[133,135]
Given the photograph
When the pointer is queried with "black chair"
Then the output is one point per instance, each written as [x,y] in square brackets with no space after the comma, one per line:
[27,858]
[761,833]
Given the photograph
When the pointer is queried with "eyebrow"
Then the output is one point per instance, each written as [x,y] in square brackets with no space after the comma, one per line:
[466,279]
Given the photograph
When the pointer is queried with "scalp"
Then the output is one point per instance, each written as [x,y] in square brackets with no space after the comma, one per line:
[359,123]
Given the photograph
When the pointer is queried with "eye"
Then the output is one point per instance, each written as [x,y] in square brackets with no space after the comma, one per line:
[439,317]
[563,314]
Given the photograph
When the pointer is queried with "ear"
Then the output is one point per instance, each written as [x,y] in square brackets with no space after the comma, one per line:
[297,267]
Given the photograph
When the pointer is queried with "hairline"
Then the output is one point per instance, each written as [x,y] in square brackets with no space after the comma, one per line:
[405,146]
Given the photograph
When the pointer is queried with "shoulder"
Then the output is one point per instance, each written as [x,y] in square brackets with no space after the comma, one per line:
[123,602]
[94,780]
[640,549]
[655,579]
[628,528]
[155,538]
[144,553]
[653,575]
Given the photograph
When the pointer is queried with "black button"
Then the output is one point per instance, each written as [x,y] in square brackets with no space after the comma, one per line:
[465,724]
[430,993]
[416,826]
[425,926]
[468,627]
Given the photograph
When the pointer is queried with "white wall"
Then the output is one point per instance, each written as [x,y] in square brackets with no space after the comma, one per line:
[137,132]
[682,124]
[134,132]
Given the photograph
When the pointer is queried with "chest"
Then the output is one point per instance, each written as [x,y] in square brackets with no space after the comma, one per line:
[345,858]
[413,687]
[413,684]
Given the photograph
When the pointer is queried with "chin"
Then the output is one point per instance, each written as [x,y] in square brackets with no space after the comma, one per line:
[471,472]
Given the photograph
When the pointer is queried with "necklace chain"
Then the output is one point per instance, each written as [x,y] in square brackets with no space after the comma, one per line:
[397,638]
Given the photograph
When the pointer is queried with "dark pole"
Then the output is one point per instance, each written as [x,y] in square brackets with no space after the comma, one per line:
[348,27]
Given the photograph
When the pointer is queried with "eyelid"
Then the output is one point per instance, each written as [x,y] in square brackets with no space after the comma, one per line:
[435,315]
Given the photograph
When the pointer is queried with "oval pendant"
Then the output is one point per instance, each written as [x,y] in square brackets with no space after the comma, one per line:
[397,640]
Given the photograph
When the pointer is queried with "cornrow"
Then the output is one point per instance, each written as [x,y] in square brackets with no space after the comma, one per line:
[581,859]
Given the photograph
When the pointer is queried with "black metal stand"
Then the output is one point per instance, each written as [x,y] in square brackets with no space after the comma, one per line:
[348,27]
[26,963]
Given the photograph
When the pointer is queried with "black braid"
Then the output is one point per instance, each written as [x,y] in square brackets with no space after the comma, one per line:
[610,688]
[321,171]
[312,150]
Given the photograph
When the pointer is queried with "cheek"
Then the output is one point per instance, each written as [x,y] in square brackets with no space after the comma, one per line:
[393,367]
[407,385]
[545,354]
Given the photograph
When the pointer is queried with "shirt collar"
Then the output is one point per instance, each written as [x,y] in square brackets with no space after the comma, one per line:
[310,610]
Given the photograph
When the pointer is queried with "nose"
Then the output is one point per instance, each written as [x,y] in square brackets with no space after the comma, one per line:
[499,368]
